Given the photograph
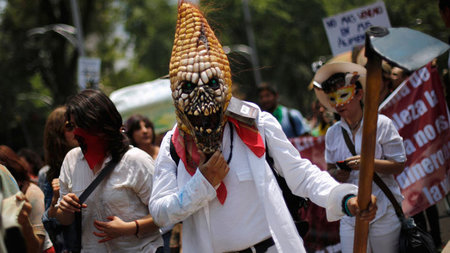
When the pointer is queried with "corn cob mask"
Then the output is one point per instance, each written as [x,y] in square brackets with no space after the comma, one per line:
[200,79]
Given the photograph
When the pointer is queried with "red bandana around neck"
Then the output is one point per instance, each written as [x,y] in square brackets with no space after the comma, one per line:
[187,150]
[92,146]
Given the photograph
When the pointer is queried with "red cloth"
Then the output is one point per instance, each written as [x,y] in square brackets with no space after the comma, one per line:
[187,150]
[93,146]
[188,153]
[250,136]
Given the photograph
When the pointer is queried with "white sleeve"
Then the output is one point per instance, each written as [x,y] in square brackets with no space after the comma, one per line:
[170,204]
[391,141]
[140,173]
[64,178]
[303,178]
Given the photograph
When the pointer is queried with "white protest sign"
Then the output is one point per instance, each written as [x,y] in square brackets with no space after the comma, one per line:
[346,30]
[88,72]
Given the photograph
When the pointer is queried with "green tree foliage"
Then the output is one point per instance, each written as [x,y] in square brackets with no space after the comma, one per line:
[39,72]
[289,36]
[39,69]
[151,28]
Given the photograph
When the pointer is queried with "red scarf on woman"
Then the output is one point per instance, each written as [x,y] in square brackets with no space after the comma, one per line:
[92,146]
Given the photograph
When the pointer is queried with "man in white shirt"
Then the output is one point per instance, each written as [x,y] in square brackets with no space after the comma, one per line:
[222,187]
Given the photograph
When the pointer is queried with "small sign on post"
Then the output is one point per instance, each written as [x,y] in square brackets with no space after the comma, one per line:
[88,73]
[346,30]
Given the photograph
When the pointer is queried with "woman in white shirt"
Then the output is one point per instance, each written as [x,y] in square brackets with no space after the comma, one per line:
[341,90]
[115,216]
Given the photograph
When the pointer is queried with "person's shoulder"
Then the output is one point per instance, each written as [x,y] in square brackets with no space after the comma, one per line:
[330,137]
[335,127]
[135,153]
[34,192]
[74,154]
[383,120]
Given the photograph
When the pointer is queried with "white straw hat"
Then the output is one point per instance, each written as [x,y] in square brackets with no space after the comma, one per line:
[330,69]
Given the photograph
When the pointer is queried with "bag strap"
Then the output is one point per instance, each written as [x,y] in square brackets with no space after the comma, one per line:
[292,122]
[349,143]
[173,152]
[376,178]
[108,168]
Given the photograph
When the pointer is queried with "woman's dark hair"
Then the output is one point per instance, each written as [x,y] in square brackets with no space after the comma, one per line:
[134,123]
[55,143]
[32,158]
[12,161]
[336,81]
[94,112]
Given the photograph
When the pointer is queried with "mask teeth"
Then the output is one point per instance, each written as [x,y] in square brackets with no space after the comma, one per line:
[198,57]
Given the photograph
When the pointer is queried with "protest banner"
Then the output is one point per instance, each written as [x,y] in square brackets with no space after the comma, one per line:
[347,30]
[419,112]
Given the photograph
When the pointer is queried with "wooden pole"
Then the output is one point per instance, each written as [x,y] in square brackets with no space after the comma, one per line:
[371,100]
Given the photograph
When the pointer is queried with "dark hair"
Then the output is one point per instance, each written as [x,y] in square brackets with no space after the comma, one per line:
[33,158]
[55,143]
[268,87]
[335,82]
[12,161]
[94,112]
[134,123]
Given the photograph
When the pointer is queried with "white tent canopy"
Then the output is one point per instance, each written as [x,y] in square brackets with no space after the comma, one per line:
[152,99]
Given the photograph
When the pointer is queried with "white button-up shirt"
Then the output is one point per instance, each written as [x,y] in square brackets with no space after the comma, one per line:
[124,193]
[389,146]
[254,200]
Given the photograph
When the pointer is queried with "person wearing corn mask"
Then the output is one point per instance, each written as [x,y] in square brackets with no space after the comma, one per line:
[212,172]
[340,88]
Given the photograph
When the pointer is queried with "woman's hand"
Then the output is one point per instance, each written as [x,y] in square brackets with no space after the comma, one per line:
[338,174]
[366,215]
[24,214]
[114,228]
[354,162]
[55,187]
[71,204]
[34,242]
[52,209]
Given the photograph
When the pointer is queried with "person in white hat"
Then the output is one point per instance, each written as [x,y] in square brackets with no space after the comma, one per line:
[340,87]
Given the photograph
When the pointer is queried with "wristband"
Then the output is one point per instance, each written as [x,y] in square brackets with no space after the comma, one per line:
[345,206]
[137,228]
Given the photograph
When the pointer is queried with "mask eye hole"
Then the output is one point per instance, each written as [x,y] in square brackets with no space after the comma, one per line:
[344,95]
[188,87]
[214,84]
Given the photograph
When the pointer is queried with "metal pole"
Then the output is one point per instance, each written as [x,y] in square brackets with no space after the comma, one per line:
[77,22]
[251,42]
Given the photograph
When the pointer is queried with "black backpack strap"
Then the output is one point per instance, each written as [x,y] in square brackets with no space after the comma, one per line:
[293,201]
[173,152]
[292,122]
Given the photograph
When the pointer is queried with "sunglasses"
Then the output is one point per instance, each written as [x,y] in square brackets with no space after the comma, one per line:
[69,126]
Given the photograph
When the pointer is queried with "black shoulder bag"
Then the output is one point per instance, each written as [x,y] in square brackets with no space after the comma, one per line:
[412,238]
[75,227]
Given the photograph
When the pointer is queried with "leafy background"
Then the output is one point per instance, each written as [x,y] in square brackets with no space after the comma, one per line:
[134,38]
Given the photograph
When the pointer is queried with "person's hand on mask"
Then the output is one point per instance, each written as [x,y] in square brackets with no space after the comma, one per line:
[215,169]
